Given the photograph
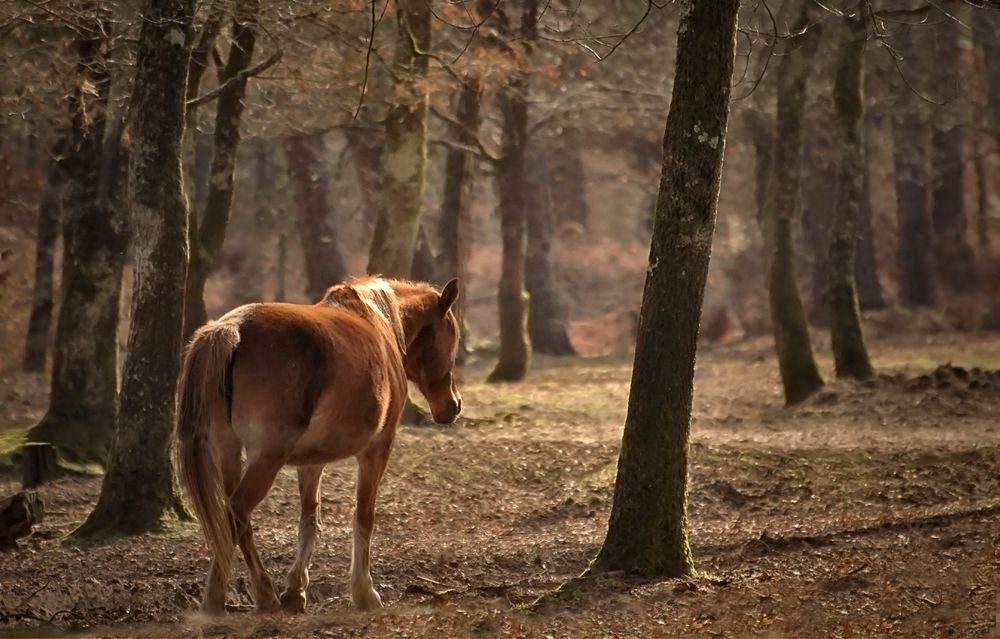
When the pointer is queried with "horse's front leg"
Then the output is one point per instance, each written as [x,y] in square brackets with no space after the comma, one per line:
[294,597]
[371,465]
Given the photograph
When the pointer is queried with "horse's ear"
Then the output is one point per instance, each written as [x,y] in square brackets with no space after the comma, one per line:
[448,295]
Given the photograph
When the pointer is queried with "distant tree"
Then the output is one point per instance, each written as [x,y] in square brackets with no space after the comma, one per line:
[849,353]
[320,244]
[83,404]
[953,255]
[404,159]
[800,376]
[36,345]
[515,348]
[139,492]
[647,531]
[910,152]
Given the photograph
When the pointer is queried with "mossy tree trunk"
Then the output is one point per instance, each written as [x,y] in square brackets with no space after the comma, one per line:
[870,293]
[36,344]
[647,530]
[404,159]
[324,264]
[849,353]
[512,303]
[139,492]
[953,255]
[208,233]
[548,314]
[83,404]
[910,149]
[800,376]
[456,204]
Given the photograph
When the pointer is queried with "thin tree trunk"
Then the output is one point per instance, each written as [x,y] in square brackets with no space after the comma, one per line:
[547,312]
[139,492]
[983,205]
[762,136]
[83,403]
[366,148]
[568,180]
[320,246]
[870,293]
[819,192]
[405,155]
[956,263]
[36,345]
[211,229]
[647,530]
[910,146]
[456,210]
[515,350]
[799,374]
[986,32]
[849,353]
[425,261]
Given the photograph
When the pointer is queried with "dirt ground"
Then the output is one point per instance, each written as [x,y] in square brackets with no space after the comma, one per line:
[872,510]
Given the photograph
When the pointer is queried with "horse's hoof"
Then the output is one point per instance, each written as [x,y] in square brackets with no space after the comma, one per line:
[366,601]
[293,602]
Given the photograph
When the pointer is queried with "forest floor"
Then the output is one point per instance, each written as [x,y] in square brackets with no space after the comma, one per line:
[871,510]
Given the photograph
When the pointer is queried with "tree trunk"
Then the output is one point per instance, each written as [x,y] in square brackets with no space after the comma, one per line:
[956,263]
[83,403]
[647,530]
[547,311]
[36,345]
[366,148]
[456,210]
[799,373]
[870,293]
[320,246]
[762,137]
[211,229]
[515,351]
[987,36]
[910,154]
[405,155]
[568,181]
[819,193]
[139,492]
[849,353]
[983,205]
[425,261]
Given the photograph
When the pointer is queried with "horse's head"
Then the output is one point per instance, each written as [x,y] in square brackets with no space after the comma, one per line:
[430,356]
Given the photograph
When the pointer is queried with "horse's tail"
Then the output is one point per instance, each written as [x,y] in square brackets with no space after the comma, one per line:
[203,396]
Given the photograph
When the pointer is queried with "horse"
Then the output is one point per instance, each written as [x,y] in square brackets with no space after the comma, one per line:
[306,385]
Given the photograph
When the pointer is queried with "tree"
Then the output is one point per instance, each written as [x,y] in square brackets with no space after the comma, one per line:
[800,376]
[208,234]
[320,245]
[36,343]
[647,531]
[83,403]
[953,256]
[139,492]
[405,154]
[910,146]
[849,353]
[515,349]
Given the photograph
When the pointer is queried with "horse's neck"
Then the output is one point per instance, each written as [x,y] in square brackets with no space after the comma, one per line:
[414,313]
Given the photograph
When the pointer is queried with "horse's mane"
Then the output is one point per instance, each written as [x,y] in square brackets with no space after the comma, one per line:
[375,295]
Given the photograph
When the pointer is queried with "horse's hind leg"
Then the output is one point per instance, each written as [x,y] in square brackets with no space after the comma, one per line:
[231,465]
[371,466]
[294,597]
[257,480]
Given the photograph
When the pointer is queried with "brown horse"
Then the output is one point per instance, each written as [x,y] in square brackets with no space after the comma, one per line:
[306,385]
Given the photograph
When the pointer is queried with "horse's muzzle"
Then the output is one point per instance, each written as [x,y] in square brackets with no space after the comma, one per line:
[450,413]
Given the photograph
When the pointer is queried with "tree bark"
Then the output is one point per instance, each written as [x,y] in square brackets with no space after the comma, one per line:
[647,530]
[36,345]
[139,493]
[320,246]
[83,403]
[870,293]
[819,194]
[568,180]
[456,210]
[547,311]
[956,263]
[405,155]
[210,231]
[987,36]
[800,376]
[515,350]
[910,155]
[849,353]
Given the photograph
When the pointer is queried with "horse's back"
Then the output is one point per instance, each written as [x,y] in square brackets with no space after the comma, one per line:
[310,381]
